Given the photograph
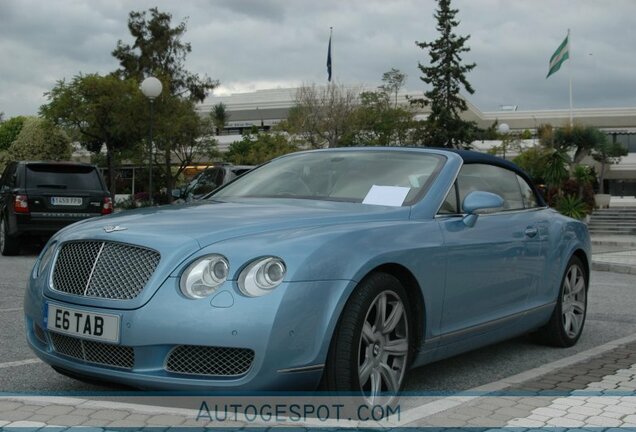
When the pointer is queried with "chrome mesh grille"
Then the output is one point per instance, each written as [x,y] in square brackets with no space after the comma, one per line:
[103,269]
[94,352]
[204,360]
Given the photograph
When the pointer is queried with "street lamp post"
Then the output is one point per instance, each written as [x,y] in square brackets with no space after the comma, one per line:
[151,88]
[503,130]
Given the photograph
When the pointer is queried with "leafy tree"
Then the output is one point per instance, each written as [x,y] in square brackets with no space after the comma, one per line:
[607,152]
[186,138]
[323,116]
[158,50]
[533,162]
[256,148]
[219,117]
[99,110]
[378,123]
[9,131]
[446,74]
[579,139]
[393,81]
[40,139]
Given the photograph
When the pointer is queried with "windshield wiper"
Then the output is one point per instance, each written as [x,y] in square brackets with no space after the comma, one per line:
[52,186]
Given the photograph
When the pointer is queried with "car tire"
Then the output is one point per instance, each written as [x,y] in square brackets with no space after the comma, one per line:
[568,319]
[368,354]
[9,245]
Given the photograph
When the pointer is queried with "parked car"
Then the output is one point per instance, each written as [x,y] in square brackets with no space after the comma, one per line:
[345,267]
[40,198]
[210,179]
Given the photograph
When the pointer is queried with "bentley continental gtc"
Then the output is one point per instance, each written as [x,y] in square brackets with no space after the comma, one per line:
[340,269]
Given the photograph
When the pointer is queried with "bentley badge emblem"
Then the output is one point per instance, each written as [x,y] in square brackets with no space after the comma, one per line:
[113,228]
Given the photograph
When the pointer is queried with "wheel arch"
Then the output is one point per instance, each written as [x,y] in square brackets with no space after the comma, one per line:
[413,290]
[580,253]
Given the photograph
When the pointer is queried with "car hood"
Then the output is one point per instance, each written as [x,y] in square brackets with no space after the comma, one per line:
[211,221]
[178,232]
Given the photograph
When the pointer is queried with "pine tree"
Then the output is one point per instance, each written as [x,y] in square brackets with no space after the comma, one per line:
[446,75]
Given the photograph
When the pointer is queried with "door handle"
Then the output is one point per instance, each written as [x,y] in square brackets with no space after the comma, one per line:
[531,232]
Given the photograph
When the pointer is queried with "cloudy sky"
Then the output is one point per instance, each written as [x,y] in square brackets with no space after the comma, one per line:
[255,44]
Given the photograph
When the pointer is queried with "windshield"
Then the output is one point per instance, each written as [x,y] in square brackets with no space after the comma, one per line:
[351,176]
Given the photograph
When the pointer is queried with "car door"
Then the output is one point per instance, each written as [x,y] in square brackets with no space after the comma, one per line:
[6,187]
[491,267]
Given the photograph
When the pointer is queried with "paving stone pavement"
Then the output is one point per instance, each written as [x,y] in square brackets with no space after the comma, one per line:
[599,393]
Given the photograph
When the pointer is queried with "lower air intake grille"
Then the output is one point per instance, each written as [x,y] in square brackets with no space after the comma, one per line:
[94,352]
[212,361]
[39,333]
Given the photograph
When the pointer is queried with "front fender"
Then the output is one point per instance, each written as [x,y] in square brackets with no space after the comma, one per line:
[348,252]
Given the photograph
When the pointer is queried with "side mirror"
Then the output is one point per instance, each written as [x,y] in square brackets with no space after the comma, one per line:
[176,193]
[478,200]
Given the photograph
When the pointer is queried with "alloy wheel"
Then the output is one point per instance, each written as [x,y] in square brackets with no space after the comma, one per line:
[573,303]
[384,345]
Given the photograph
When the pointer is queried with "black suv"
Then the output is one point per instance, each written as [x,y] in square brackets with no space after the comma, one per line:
[40,198]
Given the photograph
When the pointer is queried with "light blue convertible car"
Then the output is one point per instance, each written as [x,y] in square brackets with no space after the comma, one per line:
[339,268]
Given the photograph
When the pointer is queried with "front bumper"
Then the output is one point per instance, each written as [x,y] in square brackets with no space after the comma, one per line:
[288,330]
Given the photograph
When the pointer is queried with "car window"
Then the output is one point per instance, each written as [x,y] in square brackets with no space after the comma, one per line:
[490,178]
[449,206]
[55,176]
[527,193]
[207,181]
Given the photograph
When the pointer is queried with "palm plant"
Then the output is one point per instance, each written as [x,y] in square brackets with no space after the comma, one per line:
[572,206]
[219,116]
[555,168]
[584,176]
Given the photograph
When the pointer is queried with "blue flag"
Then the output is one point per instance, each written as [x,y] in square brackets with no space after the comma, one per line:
[329,60]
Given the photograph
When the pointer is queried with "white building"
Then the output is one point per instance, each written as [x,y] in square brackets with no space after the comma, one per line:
[265,108]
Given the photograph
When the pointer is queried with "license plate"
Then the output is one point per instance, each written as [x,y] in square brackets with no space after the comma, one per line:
[83,324]
[66,201]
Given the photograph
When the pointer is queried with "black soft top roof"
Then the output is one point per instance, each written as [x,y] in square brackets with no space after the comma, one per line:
[472,157]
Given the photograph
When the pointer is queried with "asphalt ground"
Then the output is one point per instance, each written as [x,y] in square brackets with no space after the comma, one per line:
[612,301]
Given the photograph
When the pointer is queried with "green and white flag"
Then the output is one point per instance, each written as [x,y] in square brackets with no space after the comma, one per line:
[560,55]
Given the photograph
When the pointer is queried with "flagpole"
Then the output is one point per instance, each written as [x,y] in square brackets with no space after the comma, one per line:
[570,73]
[331,50]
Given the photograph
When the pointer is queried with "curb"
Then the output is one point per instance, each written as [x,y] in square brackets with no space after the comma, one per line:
[613,267]
[613,243]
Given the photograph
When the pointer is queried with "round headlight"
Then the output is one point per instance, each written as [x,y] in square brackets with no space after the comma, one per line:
[262,276]
[46,258]
[204,276]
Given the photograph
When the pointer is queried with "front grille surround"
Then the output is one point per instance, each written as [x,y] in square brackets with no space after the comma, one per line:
[103,269]
[89,351]
[209,361]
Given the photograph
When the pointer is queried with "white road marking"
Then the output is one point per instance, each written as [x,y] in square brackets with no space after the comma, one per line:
[19,363]
[406,417]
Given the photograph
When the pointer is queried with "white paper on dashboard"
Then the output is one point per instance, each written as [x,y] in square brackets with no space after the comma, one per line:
[386,195]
